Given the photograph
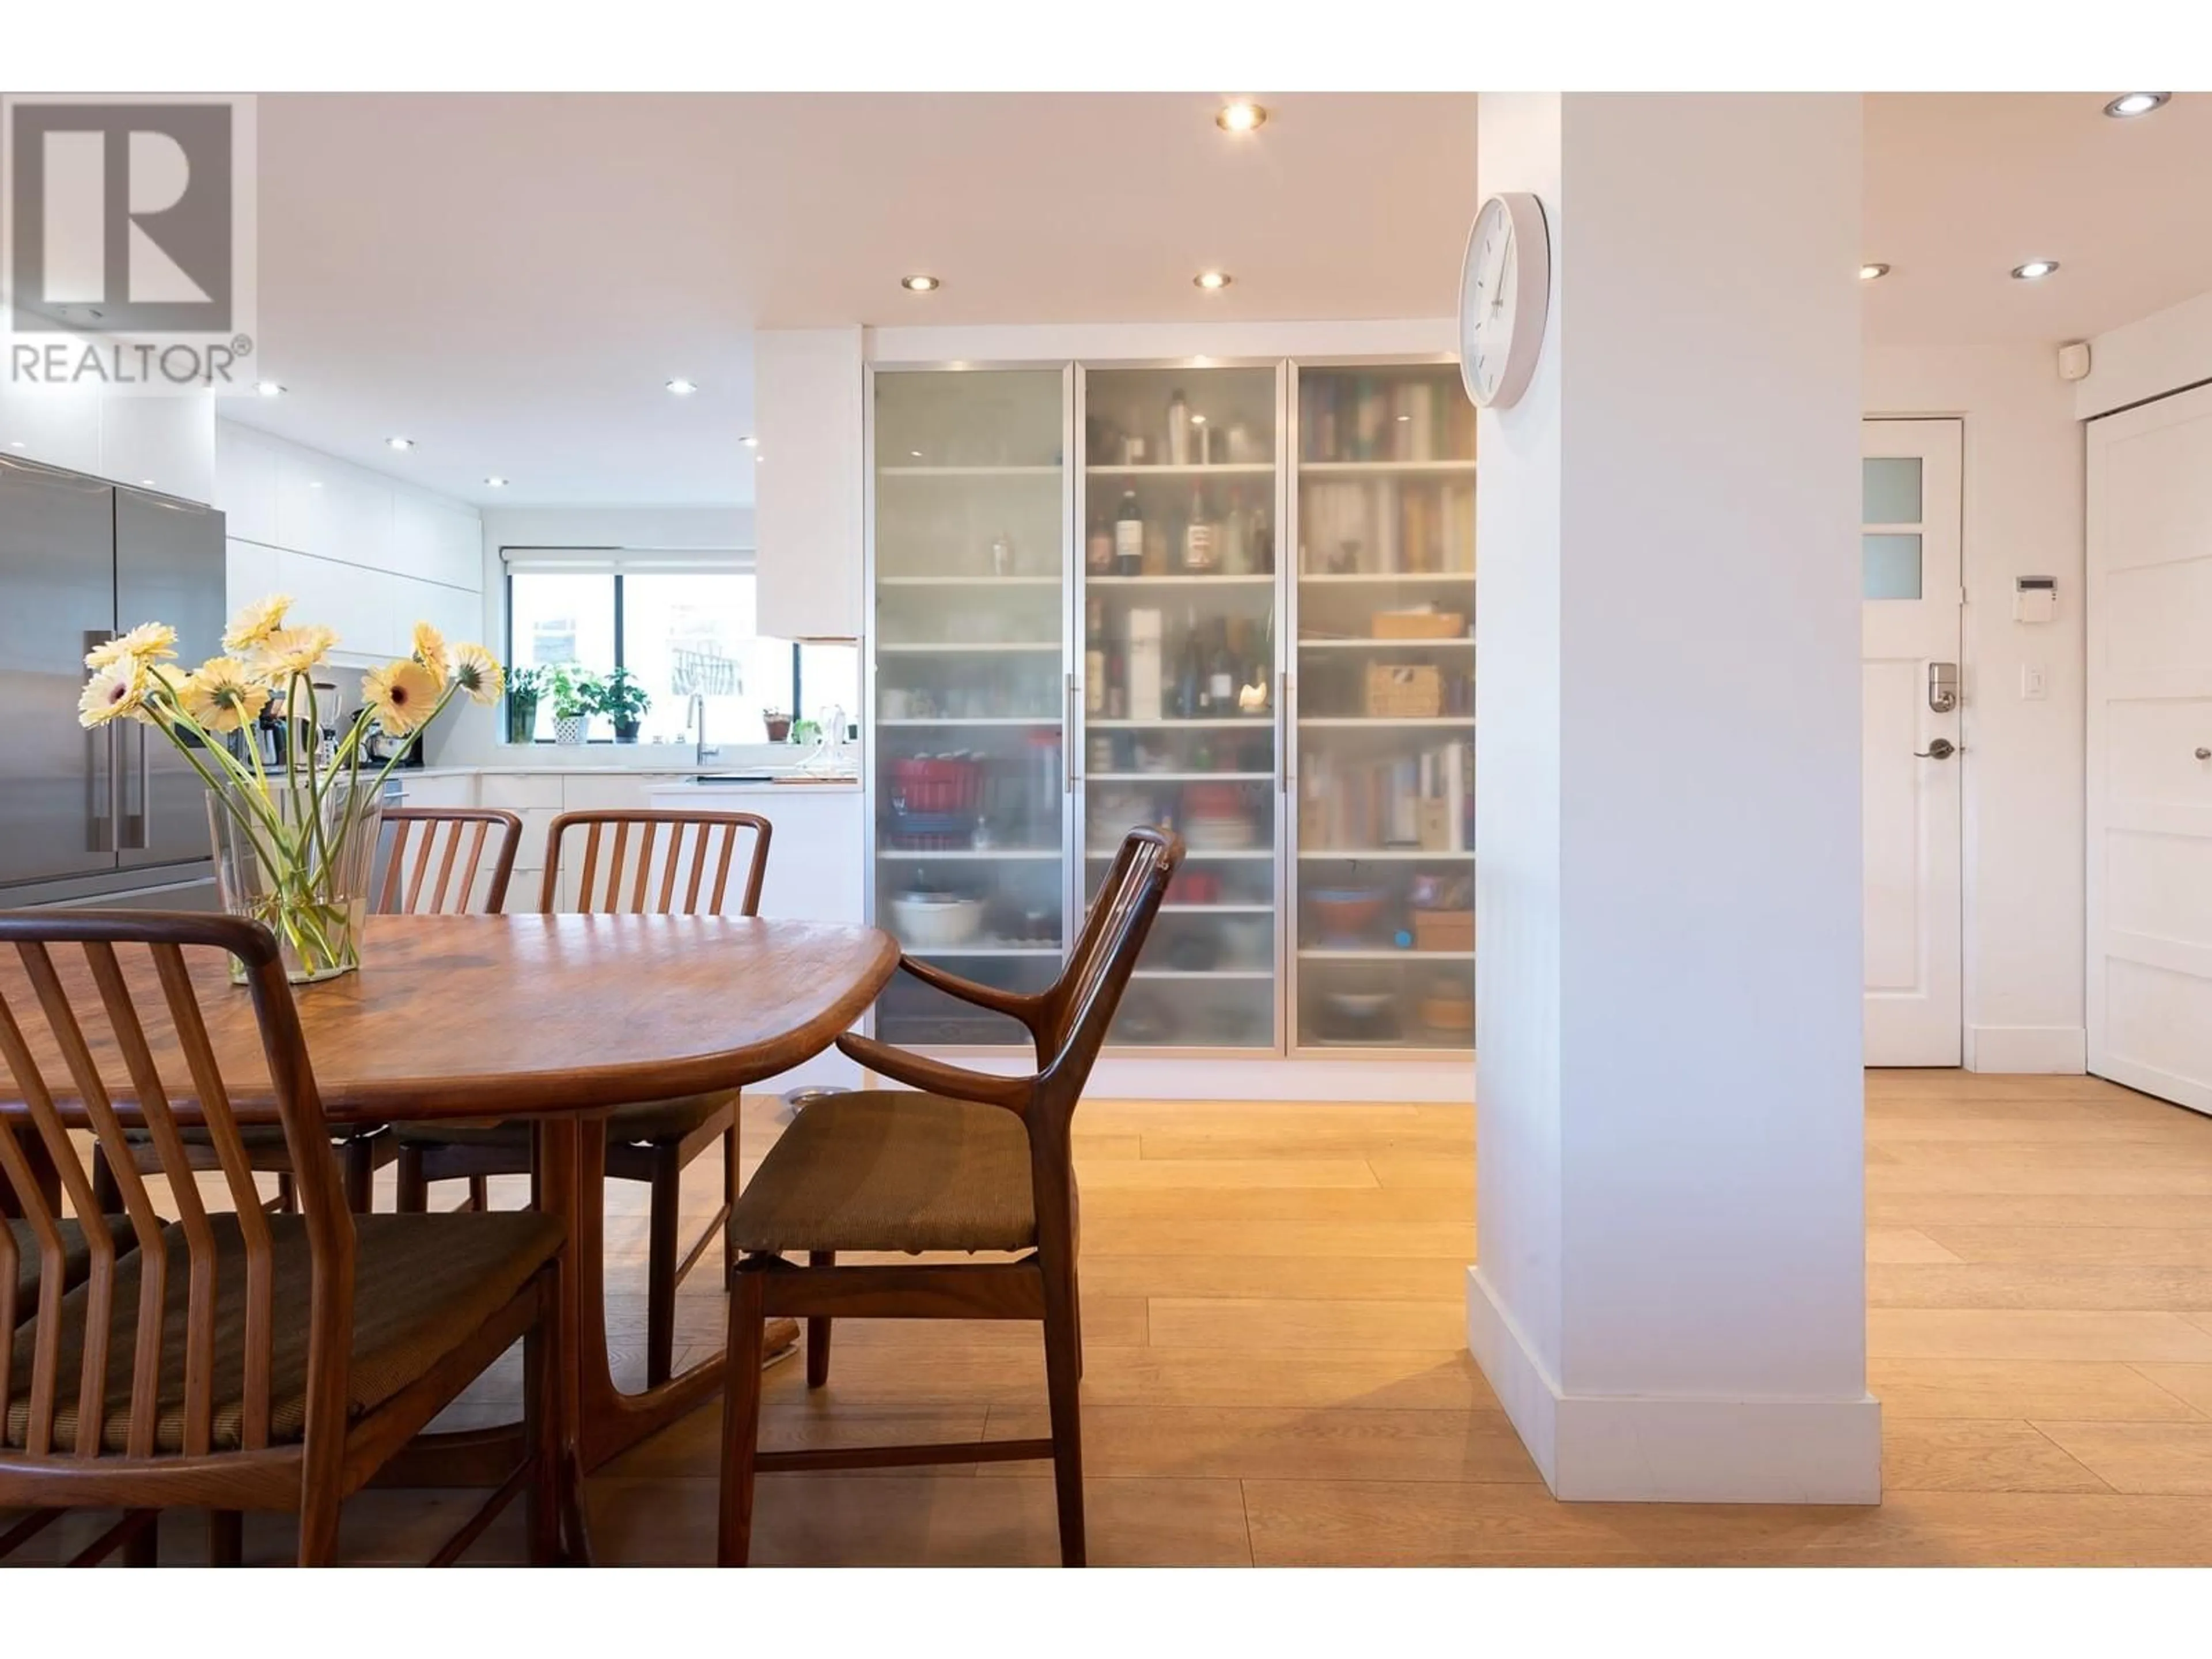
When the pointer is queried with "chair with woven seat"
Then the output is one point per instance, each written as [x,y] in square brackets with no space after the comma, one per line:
[234,1359]
[466,880]
[969,1162]
[660,862]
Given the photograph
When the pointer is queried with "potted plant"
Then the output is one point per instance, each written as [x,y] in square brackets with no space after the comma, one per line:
[295,841]
[778,724]
[525,686]
[805,731]
[624,702]
[575,694]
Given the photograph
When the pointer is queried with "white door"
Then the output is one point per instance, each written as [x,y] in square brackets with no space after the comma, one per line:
[1909,551]
[2150,615]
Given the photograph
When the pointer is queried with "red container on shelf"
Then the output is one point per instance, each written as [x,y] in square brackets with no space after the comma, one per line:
[941,784]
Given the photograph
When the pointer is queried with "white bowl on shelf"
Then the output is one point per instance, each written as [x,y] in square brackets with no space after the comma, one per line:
[935,921]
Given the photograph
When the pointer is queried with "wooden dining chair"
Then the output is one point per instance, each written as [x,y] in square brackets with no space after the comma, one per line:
[972,1162]
[234,1359]
[473,870]
[631,862]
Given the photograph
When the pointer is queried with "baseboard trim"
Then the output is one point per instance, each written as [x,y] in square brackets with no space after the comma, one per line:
[1632,1449]
[2029,1050]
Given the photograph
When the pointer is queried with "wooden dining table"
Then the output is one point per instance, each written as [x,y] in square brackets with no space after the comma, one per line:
[554,1020]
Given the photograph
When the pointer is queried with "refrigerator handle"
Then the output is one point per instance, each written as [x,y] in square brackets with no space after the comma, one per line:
[103,773]
[140,824]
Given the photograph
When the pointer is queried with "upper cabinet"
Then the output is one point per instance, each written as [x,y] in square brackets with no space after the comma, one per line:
[165,443]
[809,401]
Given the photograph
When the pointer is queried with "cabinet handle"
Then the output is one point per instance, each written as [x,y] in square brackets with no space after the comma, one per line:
[1068,738]
[1283,725]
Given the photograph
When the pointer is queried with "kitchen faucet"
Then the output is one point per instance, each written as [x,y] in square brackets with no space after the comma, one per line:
[695,721]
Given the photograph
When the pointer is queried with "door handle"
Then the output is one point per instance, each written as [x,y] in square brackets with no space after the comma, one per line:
[1939,748]
[1283,726]
[1068,738]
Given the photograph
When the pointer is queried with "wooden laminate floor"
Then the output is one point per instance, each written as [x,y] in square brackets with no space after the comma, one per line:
[1277,1371]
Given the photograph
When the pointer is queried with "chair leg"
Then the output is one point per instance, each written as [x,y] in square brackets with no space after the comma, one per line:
[414,1195]
[729,1191]
[741,1395]
[143,1548]
[1063,1340]
[479,1194]
[359,1161]
[226,1538]
[660,1265]
[106,1193]
[541,1411]
[818,1328]
[288,1195]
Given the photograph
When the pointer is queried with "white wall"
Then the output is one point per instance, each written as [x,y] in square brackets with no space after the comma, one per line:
[1670,1288]
[2147,358]
[2024,850]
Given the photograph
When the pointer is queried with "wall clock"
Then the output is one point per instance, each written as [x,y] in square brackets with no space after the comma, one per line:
[1504,290]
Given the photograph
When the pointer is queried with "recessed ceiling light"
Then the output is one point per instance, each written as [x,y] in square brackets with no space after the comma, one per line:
[750,441]
[1213,281]
[17,443]
[399,443]
[915,453]
[1871,273]
[918,283]
[681,387]
[149,483]
[269,388]
[2136,103]
[1198,420]
[2033,269]
[1242,115]
[496,481]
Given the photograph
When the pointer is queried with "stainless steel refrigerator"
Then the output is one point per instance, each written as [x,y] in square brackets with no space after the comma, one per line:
[115,815]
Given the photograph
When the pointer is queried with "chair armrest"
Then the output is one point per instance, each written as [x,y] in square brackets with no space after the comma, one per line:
[1013,1004]
[934,1076]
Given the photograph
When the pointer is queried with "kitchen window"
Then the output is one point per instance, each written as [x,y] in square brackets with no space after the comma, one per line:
[683,627]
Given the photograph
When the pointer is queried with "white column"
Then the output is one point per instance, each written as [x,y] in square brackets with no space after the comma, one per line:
[1669,1293]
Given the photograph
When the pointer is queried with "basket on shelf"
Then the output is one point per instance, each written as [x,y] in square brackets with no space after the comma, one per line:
[1420,625]
[1404,690]
[1443,930]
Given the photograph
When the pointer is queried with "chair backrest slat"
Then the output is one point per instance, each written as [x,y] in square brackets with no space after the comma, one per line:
[643,869]
[1082,1003]
[458,838]
[101,1028]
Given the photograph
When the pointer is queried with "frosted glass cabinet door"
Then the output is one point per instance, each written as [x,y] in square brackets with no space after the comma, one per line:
[971,688]
[1179,676]
[1385,702]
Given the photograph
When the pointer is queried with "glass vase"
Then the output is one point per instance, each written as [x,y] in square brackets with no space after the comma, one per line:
[299,861]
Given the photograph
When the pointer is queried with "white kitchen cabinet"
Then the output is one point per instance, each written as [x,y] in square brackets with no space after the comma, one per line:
[455,612]
[359,603]
[434,542]
[443,789]
[809,388]
[58,425]
[159,443]
[250,574]
[246,483]
[332,510]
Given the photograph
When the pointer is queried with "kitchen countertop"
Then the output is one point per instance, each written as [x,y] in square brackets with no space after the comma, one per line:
[659,776]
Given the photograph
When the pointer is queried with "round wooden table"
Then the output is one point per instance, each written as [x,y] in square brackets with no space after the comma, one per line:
[555,1019]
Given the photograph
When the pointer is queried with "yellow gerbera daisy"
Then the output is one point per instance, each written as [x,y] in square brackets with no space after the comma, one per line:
[477,672]
[401,695]
[256,622]
[430,652]
[118,689]
[148,642]
[222,695]
[290,652]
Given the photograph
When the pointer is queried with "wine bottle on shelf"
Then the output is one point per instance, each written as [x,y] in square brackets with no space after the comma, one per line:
[1117,685]
[1263,544]
[1221,675]
[1235,545]
[1129,537]
[1191,672]
[1198,548]
[1098,550]
[1178,430]
[1094,658]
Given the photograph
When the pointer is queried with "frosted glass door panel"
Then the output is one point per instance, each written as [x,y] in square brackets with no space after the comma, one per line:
[970,609]
[1385,700]
[1179,680]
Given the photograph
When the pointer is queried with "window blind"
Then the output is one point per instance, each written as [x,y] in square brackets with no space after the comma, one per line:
[625,560]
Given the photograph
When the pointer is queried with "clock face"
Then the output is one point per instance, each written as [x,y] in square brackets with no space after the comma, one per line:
[1504,284]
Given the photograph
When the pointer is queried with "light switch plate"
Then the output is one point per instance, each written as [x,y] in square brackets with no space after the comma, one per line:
[2034,682]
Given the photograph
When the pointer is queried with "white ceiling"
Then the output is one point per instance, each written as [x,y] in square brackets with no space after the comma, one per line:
[508,279]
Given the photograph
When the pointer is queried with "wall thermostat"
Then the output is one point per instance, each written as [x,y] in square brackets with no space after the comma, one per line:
[2035,598]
